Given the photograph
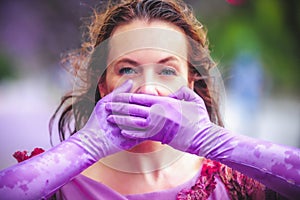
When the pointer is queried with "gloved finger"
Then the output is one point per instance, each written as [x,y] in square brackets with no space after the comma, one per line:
[131,122]
[128,109]
[186,94]
[133,134]
[139,134]
[140,99]
[152,133]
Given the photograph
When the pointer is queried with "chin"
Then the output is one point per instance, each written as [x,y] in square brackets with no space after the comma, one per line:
[146,147]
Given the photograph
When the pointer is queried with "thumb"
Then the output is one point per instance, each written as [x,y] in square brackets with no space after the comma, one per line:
[186,94]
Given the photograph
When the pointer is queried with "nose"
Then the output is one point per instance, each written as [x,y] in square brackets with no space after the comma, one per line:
[148,88]
[147,83]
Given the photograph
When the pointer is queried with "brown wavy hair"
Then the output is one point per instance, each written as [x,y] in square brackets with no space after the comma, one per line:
[77,105]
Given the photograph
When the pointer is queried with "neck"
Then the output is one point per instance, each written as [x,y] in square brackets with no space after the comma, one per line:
[144,158]
[145,171]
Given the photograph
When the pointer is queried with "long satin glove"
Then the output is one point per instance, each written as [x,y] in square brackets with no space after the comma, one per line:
[43,174]
[183,122]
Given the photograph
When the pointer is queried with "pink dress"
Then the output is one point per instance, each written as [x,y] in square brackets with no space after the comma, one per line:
[214,181]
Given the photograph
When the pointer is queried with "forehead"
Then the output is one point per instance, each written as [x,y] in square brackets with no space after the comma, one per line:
[139,35]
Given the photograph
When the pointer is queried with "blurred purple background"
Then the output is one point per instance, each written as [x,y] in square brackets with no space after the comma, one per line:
[34,33]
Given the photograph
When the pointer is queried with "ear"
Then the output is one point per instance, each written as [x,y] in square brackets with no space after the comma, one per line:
[191,79]
[102,87]
[191,83]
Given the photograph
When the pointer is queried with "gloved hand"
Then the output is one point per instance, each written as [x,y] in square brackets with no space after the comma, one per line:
[99,137]
[174,121]
[42,175]
[181,120]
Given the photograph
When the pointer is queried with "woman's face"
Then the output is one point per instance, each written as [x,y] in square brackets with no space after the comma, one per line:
[153,55]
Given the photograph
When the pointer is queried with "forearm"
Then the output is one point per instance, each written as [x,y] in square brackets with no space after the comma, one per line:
[43,174]
[276,166]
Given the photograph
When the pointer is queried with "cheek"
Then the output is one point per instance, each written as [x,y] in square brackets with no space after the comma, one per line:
[180,81]
[176,84]
[112,81]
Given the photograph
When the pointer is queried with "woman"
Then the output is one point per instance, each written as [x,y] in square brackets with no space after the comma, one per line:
[149,64]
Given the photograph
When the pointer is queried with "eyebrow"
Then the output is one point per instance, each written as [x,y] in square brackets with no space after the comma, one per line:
[170,58]
[127,60]
[135,63]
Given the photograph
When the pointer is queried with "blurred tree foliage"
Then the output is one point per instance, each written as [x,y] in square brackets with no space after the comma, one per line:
[269,29]
[7,70]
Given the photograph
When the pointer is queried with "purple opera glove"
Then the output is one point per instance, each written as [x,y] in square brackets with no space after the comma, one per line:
[165,119]
[100,138]
[42,175]
[182,122]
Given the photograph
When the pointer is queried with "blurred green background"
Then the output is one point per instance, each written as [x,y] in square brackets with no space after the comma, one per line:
[268,28]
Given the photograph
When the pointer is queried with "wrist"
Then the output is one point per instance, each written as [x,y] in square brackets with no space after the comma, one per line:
[213,142]
[90,143]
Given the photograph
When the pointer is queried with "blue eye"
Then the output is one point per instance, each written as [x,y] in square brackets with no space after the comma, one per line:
[168,72]
[127,70]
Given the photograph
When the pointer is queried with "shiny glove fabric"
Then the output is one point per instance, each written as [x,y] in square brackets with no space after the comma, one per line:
[181,120]
[43,174]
